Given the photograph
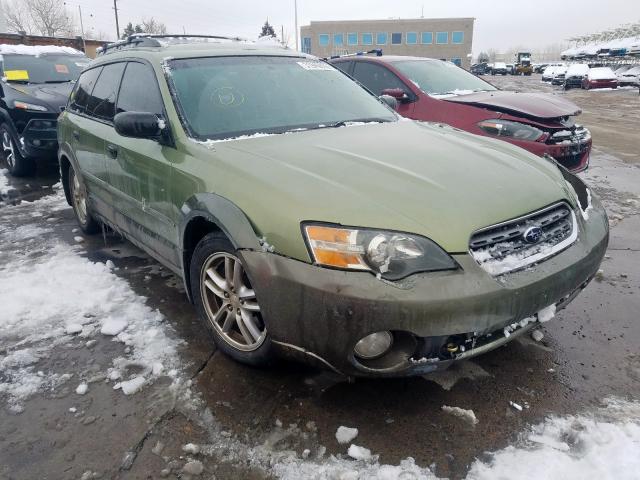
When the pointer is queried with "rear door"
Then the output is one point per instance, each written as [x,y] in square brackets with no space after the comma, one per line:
[377,78]
[139,169]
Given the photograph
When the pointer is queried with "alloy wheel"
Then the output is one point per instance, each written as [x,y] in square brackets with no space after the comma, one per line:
[230,302]
[7,149]
[79,199]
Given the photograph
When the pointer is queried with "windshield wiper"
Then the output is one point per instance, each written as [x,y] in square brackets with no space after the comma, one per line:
[57,81]
[344,123]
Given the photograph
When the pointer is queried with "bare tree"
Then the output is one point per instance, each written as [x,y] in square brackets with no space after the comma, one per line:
[151,25]
[47,17]
[17,15]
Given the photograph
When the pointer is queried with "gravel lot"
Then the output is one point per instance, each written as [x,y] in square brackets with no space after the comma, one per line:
[250,423]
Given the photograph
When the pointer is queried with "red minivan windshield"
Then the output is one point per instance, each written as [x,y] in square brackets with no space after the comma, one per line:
[438,78]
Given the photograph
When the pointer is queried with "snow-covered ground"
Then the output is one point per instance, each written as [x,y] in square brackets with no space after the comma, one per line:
[51,295]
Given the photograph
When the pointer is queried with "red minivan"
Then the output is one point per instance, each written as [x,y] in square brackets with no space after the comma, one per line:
[439,91]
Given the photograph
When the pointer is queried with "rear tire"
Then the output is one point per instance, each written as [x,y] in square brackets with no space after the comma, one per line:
[79,201]
[17,165]
[226,302]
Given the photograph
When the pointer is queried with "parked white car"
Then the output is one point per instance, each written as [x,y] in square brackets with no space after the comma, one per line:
[547,75]
[629,77]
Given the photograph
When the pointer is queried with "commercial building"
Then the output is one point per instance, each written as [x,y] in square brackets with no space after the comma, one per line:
[444,38]
[89,47]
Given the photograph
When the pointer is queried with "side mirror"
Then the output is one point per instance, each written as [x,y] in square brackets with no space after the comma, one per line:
[397,93]
[138,125]
[390,101]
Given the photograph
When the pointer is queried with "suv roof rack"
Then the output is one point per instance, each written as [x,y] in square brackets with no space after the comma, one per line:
[377,51]
[151,40]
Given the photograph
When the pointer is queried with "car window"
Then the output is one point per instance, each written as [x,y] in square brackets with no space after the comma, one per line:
[139,90]
[376,77]
[227,97]
[102,101]
[84,87]
[344,66]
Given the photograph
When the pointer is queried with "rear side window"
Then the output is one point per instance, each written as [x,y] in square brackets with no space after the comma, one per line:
[376,77]
[84,87]
[344,66]
[139,91]
[102,102]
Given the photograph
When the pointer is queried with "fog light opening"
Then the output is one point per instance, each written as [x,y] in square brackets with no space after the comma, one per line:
[374,345]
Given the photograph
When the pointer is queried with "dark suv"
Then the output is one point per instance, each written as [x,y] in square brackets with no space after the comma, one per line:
[36,82]
[439,91]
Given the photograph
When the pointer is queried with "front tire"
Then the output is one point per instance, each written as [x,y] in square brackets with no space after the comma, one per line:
[17,165]
[227,303]
[79,201]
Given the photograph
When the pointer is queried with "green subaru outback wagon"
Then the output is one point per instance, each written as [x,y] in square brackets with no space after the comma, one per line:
[309,220]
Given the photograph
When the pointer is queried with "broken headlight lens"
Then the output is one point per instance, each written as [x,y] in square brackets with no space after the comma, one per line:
[29,106]
[516,130]
[392,255]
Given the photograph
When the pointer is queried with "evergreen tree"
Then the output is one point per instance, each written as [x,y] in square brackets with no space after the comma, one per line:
[128,31]
[267,30]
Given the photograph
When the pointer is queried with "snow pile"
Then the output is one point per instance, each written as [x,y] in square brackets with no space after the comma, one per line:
[467,415]
[345,435]
[605,445]
[601,73]
[4,182]
[577,70]
[48,299]
[359,453]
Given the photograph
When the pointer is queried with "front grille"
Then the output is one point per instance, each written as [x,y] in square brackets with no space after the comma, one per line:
[512,245]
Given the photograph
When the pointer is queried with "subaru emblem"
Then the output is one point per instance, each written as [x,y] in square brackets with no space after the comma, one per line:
[532,234]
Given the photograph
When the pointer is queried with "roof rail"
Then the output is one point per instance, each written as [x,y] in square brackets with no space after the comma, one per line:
[151,40]
[377,51]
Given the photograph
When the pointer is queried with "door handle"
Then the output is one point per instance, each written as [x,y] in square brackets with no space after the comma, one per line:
[112,150]
[76,134]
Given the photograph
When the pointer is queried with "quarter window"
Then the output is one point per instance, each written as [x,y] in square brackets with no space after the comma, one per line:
[427,38]
[102,102]
[412,38]
[338,39]
[83,89]
[323,39]
[442,38]
[396,38]
[376,77]
[139,91]
[381,38]
[457,37]
[352,38]
[367,39]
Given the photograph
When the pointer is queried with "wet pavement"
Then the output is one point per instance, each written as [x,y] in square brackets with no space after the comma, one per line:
[589,352]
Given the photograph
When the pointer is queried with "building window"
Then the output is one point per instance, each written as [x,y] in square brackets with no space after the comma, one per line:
[306,45]
[442,38]
[427,37]
[338,39]
[412,38]
[352,38]
[457,37]
[457,61]
[367,39]
[323,39]
[396,39]
[381,38]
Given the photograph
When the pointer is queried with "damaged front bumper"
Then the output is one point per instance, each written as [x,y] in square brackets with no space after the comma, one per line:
[319,314]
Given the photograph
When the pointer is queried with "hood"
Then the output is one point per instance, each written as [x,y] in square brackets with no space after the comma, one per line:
[426,179]
[55,95]
[538,105]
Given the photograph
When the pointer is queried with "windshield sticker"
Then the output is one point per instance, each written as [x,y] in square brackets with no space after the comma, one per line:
[16,74]
[316,66]
[62,68]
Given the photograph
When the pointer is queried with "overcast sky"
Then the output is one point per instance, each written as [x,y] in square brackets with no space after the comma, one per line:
[499,24]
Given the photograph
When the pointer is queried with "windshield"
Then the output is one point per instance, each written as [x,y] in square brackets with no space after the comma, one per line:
[49,68]
[441,78]
[227,97]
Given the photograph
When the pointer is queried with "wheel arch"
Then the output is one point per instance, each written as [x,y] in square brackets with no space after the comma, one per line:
[206,213]
[66,159]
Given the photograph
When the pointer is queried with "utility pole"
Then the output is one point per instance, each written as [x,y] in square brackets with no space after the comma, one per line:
[295,8]
[115,8]
[84,45]
[282,34]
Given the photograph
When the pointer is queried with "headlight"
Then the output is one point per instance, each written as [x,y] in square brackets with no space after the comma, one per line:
[505,128]
[29,106]
[392,255]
